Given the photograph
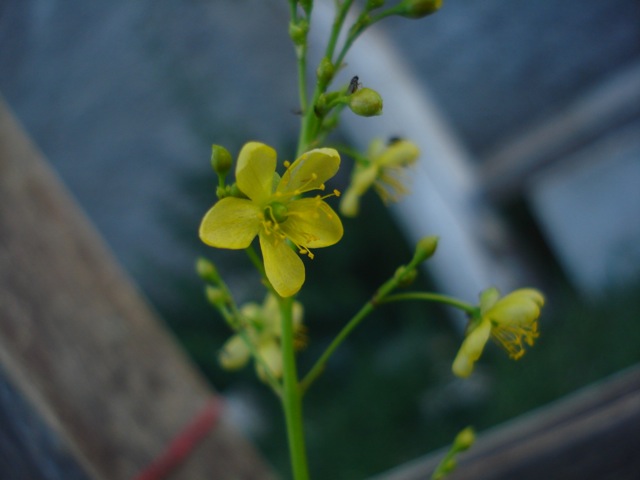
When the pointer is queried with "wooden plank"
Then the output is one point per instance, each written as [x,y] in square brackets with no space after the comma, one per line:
[80,343]
[593,434]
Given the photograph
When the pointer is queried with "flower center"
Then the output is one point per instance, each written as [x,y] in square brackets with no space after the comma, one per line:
[275,212]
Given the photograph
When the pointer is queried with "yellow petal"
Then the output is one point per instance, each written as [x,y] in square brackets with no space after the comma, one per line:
[512,312]
[350,203]
[271,315]
[231,223]
[234,354]
[376,147]
[400,153]
[488,298]
[283,267]
[518,308]
[471,349]
[363,178]
[254,171]
[530,293]
[310,171]
[272,357]
[312,223]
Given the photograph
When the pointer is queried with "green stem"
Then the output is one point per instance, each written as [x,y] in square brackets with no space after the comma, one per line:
[291,398]
[320,364]
[337,27]
[431,297]
[382,292]
[356,33]
[383,295]
[310,123]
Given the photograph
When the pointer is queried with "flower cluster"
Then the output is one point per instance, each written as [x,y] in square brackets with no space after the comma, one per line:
[273,209]
[262,327]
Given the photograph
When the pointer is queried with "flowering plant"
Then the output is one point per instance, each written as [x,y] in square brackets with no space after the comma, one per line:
[291,215]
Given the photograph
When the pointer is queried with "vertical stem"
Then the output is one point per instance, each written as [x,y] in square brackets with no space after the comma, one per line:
[291,398]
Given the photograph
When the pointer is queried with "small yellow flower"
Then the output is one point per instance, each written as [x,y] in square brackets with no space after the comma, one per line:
[275,212]
[511,321]
[263,328]
[384,172]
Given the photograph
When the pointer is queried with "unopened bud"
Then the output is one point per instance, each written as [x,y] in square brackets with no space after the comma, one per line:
[417,8]
[234,354]
[426,248]
[325,71]
[464,440]
[216,296]
[234,191]
[407,277]
[326,102]
[207,270]
[298,32]
[365,102]
[221,160]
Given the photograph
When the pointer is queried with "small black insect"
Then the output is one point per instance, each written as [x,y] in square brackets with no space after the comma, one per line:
[354,84]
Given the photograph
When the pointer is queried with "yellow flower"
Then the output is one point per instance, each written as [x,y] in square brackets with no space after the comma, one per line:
[263,328]
[384,171]
[275,212]
[511,321]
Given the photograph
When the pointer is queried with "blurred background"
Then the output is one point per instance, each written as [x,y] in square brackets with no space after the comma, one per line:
[528,117]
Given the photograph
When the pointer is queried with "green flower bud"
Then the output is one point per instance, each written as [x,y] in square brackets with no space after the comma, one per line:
[320,107]
[221,160]
[222,192]
[327,101]
[365,102]
[207,270]
[234,354]
[215,296]
[330,123]
[407,277]
[325,71]
[298,32]
[234,191]
[445,468]
[426,248]
[417,8]
[464,440]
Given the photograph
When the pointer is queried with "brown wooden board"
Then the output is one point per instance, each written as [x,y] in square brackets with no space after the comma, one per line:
[83,347]
[591,435]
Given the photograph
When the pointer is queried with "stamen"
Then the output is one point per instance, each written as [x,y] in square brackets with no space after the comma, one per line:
[335,193]
[512,338]
[305,251]
[300,337]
